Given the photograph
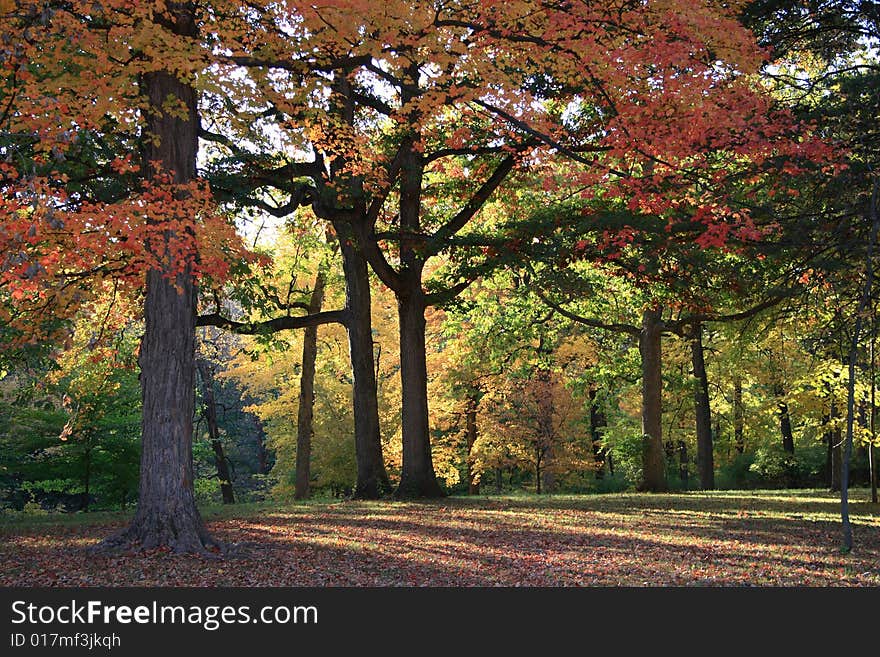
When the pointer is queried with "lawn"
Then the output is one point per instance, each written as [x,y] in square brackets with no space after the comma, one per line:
[734,538]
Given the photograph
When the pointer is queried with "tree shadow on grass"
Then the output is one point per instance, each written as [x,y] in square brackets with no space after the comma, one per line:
[453,543]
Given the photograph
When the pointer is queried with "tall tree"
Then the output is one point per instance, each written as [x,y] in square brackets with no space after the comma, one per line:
[304,424]
[123,76]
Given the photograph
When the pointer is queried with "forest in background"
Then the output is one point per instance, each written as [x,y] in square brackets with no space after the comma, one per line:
[443,248]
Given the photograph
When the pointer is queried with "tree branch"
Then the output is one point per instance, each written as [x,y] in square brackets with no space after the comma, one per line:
[440,297]
[273,325]
[617,328]
[477,201]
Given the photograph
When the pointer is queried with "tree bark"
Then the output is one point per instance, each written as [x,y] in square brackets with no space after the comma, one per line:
[304,419]
[836,452]
[372,479]
[702,410]
[471,434]
[166,514]
[417,478]
[784,420]
[653,465]
[210,414]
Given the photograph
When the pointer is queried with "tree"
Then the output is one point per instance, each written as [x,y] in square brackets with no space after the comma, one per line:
[81,74]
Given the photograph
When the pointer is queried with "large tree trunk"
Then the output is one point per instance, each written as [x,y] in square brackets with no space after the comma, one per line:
[210,414]
[166,512]
[471,434]
[705,456]
[372,479]
[417,478]
[653,465]
[304,428]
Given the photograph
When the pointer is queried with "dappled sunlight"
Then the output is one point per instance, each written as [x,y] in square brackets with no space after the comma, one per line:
[632,540]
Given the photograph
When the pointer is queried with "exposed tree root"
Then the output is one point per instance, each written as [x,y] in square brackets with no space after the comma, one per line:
[182,533]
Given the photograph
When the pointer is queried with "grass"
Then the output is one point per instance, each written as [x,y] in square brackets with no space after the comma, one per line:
[725,538]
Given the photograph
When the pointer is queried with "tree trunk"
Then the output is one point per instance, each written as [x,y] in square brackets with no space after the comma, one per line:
[872,459]
[861,476]
[597,423]
[166,513]
[705,456]
[828,439]
[471,434]
[304,428]
[548,475]
[538,472]
[372,479]
[739,440]
[210,414]
[784,420]
[836,452]
[653,465]
[499,480]
[417,478]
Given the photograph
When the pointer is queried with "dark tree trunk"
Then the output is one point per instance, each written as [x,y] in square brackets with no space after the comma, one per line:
[372,479]
[705,456]
[499,480]
[739,441]
[304,428]
[653,465]
[166,513]
[539,475]
[210,415]
[861,476]
[872,457]
[784,420]
[597,423]
[471,434]
[417,478]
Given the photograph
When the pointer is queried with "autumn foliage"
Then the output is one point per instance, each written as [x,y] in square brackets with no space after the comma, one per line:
[486,189]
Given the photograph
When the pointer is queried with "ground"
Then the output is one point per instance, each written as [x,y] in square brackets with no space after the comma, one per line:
[735,538]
